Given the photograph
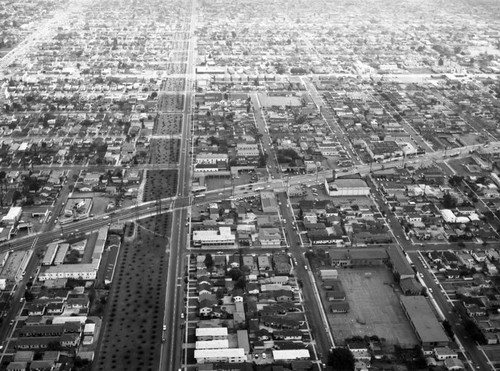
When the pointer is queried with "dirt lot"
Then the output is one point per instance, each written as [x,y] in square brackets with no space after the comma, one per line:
[374,308]
[99,203]
[218,183]
[133,317]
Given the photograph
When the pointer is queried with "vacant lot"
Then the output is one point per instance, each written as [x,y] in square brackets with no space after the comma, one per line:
[374,308]
[132,330]
[218,183]
[160,184]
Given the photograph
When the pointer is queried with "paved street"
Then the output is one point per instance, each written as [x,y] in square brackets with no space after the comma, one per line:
[171,355]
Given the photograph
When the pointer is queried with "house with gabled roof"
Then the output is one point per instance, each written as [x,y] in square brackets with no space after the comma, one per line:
[253,288]
[283,295]
[206,306]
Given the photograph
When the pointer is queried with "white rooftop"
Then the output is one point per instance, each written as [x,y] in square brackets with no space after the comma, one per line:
[219,353]
[287,354]
[224,233]
[211,331]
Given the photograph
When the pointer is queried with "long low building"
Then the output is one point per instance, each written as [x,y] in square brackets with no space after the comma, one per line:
[50,254]
[61,253]
[212,344]
[231,355]
[428,330]
[75,271]
[357,257]
[291,354]
[400,265]
[211,333]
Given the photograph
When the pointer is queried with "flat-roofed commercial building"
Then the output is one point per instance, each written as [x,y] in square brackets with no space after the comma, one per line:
[347,187]
[211,158]
[428,330]
[223,238]
[13,215]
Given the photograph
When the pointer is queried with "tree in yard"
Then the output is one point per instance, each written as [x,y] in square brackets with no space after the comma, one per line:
[245,269]
[241,283]
[341,359]
[310,254]
[448,329]
[209,261]
[301,119]
[92,295]
[73,257]
[28,296]
[220,293]
[235,274]
[287,155]
[449,201]
[455,180]
[263,159]
[3,179]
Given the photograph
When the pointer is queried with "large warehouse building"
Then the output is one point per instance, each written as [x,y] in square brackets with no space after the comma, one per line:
[429,331]
[347,187]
